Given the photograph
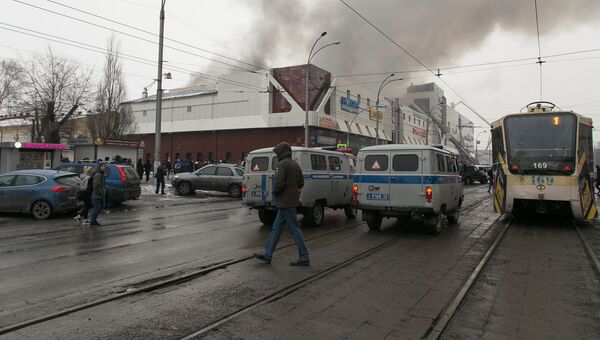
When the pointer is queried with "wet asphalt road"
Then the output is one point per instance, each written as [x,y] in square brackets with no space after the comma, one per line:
[396,292]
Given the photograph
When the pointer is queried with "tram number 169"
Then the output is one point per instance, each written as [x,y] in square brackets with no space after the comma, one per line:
[540,165]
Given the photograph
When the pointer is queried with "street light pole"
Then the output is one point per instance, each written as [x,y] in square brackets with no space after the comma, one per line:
[476,143]
[159,87]
[383,84]
[306,97]
[352,121]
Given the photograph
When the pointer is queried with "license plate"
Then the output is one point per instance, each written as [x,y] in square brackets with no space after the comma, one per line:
[378,197]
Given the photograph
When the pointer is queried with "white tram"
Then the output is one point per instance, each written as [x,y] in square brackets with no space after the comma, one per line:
[543,161]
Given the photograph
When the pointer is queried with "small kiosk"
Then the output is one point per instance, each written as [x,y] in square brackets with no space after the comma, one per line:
[18,155]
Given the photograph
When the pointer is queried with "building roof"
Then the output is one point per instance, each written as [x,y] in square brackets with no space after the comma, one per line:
[183,92]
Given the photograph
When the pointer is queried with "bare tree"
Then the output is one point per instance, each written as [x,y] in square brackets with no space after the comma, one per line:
[10,82]
[112,118]
[54,88]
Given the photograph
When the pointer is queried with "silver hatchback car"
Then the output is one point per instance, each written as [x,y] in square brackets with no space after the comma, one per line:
[215,177]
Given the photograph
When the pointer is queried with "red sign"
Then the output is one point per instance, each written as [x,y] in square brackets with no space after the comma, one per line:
[419,132]
[47,146]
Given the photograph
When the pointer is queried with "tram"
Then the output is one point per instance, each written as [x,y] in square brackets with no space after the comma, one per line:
[543,162]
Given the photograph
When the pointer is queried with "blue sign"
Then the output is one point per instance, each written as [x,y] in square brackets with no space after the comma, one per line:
[349,105]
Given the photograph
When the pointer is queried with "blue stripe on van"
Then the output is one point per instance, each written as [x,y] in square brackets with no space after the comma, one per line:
[377,179]
[263,185]
[325,176]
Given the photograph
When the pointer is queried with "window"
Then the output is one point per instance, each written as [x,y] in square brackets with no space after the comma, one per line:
[368,102]
[28,180]
[167,156]
[144,113]
[274,163]
[222,171]
[72,168]
[207,171]
[348,94]
[228,156]
[198,156]
[189,109]
[260,163]
[210,156]
[405,163]
[441,163]
[70,180]
[318,162]
[358,99]
[177,155]
[450,164]
[376,163]
[6,180]
[334,163]
[239,172]
[188,156]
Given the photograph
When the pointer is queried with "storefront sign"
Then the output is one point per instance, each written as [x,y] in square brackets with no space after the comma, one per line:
[419,132]
[326,140]
[327,122]
[44,146]
[349,105]
[373,114]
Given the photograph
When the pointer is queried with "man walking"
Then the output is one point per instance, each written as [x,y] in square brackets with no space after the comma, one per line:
[490,174]
[160,178]
[98,193]
[288,182]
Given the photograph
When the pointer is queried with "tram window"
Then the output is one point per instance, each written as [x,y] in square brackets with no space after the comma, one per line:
[441,163]
[405,163]
[318,162]
[334,163]
[259,164]
[376,163]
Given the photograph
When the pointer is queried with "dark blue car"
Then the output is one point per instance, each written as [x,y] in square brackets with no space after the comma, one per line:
[38,192]
[122,181]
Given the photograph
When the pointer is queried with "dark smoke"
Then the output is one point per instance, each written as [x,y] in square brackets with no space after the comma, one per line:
[437,32]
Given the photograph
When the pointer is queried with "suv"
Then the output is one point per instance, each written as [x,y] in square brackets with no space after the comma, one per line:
[122,181]
[218,177]
[471,174]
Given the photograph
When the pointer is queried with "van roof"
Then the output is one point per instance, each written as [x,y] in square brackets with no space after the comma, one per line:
[392,147]
[299,148]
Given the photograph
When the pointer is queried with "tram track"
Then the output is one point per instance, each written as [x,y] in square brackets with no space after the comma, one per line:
[171,280]
[592,256]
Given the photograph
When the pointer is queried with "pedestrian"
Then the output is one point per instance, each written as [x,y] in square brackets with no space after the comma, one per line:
[490,174]
[168,167]
[84,194]
[147,169]
[288,182]
[140,168]
[160,178]
[598,179]
[98,193]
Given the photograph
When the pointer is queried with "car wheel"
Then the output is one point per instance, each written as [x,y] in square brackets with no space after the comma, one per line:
[453,216]
[351,211]
[41,210]
[433,224]
[267,217]
[373,221]
[314,216]
[234,191]
[184,188]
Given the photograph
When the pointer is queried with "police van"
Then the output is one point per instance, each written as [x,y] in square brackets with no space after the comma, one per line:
[327,183]
[399,180]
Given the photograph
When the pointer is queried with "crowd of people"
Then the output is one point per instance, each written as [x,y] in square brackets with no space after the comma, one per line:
[92,192]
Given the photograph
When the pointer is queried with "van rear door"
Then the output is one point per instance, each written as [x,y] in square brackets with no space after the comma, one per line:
[406,178]
[374,179]
[257,178]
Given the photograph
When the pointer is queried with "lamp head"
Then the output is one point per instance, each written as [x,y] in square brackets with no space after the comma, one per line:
[392,74]
[323,34]
[168,75]
[337,43]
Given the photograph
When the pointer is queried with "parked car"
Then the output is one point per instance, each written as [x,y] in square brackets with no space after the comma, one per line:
[38,192]
[471,174]
[122,181]
[216,177]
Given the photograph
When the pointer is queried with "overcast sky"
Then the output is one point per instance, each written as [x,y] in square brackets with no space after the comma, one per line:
[275,33]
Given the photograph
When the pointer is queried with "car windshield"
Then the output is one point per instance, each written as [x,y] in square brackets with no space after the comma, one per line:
[540,143]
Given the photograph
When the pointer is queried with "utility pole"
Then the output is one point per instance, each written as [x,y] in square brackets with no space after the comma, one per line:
[399,122]
[159,88]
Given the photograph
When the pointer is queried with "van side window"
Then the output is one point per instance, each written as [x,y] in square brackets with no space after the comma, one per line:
[405,163]
[441,163]
[259,164]
[318,162]
[274,163]
[334,163]
[450,164]
[376,163]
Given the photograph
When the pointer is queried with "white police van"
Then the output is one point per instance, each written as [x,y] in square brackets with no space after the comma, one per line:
[327,183]
[399,180]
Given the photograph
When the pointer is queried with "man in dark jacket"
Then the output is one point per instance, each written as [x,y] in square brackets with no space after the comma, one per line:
[160,174]
[147,169]
[288,182]
[98,193]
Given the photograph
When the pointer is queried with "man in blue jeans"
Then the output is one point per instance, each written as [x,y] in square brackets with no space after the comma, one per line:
[98,193]
[288,182]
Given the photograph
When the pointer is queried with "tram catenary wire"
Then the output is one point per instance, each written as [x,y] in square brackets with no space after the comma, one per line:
[216,266]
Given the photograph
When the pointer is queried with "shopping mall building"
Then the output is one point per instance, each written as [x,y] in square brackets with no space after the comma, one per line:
[246,111]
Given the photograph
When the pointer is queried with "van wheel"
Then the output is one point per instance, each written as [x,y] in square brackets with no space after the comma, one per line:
[314,216]
[234,191]
[41,210]
[351,211]
[267,217]
[453,216]
[184,188]
[374,221]
[433,224]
